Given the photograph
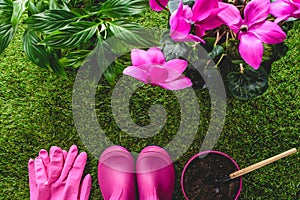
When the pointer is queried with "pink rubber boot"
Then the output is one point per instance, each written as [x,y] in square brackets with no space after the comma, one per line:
[116,175]
[155,174]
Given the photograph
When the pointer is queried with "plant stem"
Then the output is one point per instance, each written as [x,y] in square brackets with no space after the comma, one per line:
[232,34]
[227,38]
[217,38]
[242,68]
[219,61]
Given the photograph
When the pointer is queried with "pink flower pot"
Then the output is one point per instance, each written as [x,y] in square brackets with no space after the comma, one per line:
[204,162]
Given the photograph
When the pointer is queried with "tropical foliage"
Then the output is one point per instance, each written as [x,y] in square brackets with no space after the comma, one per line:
[61,33]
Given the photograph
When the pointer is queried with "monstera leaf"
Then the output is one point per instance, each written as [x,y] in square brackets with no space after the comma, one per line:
[248,84]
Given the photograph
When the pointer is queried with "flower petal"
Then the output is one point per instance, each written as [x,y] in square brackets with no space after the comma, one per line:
[199,30]
[193,38]
[158,74]
[178,65]
[158,6]
[178,84]
[269,32]
[187,12]
[187,38]
[156,56]
[251,49]
[179,23]
[230,16]
[256,11]
[281,18]
[213,21]
[282,10]
[182,29]
[140,58]
[176,15]
[203,8]
[136,73]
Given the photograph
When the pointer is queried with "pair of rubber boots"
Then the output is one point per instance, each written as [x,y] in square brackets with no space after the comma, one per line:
[153,174]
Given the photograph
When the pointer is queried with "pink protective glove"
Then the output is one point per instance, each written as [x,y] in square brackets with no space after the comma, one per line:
[57,177]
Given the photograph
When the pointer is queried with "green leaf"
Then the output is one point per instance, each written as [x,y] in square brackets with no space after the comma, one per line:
[56,66]
[73,35]
[279,50]
[122,8]
[172,49]
[41,6]
[32,9]
[104,54]
[249,84]
[36,53]
[6,6]
[42,56]
[6,10]
[190,3]
[112,72]
[7,32]
[58,4]
[75,59]
[50,20]
[173,5]
[19,7]
[132,33]
[216,52]
[232,49]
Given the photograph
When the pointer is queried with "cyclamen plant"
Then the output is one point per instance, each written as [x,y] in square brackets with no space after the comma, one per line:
[242,37]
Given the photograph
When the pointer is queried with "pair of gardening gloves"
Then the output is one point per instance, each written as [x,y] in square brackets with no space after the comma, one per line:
[57,175]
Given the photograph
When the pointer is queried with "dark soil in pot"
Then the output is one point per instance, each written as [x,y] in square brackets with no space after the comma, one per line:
[199,179]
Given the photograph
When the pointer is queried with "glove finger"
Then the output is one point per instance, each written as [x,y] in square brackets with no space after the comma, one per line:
[74,177]
[43,154]
[65,154]
[85,188]
[73,152]
[52,149]
[56,164]
[40,172]
[32,180]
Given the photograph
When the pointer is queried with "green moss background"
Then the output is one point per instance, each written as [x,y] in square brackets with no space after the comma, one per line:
[36,113]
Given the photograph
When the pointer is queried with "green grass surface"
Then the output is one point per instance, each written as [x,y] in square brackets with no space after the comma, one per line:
[36,113]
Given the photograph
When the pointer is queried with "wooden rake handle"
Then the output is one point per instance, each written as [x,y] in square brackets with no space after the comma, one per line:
[262,163]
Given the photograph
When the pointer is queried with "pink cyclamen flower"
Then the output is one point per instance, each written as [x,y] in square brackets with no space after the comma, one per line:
[253,30]
[284,9]
[150,67]
[158,5]
[205,16]
[180,23]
